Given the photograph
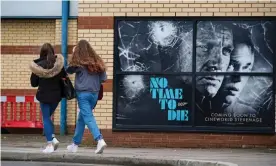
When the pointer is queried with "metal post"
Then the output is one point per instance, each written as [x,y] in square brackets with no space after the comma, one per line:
[64,37]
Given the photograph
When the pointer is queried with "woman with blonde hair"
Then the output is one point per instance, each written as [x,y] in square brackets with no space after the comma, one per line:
[90,73]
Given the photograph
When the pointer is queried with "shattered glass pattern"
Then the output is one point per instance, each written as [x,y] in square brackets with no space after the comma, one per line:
[131,90]
[264,43]
[133,85]
[258,93]
[135,104]
[214,43]
[219,49]
[255,101]
[153,46]
[167,46]
[213,35]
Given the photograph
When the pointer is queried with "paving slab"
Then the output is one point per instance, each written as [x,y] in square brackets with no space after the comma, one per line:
[21,149]
[31,163]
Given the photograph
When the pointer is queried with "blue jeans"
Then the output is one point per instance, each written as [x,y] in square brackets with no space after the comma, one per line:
[86,102]
[47,112]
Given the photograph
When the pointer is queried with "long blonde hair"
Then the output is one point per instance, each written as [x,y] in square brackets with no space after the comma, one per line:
[85,56]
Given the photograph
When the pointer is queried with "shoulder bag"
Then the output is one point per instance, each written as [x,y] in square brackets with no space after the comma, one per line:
[68,89]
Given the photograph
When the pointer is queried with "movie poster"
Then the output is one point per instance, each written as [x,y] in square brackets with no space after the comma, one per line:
[231,78]
[155,46]
[153,100]
[246,101]
[234,98]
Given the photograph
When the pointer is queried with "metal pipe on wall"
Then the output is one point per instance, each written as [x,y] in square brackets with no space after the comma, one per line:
[64,37]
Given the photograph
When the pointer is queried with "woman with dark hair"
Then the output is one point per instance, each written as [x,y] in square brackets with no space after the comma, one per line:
[90,73]
[47,74]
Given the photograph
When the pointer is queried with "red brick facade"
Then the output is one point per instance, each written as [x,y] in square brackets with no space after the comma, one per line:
[183,140]
[20,49]
[95,22]
[99,30]
[30,49]
[24,92]
[170,140]
[18,92]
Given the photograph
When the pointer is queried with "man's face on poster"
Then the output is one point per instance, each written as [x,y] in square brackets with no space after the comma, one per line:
[242,60]
[214,45]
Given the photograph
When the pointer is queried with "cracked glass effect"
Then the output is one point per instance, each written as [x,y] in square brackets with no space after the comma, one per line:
[221,46]
[261,98]
[132,88]
[235,46]
[217,39]
[263,41]
[214,44]
[154,46]
[134,104]
[134,85]
[246,103]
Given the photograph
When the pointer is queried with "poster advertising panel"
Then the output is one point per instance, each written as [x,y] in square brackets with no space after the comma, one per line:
[169,104]
[194,74]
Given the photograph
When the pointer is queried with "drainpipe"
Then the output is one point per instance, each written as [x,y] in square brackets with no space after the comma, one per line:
[64,37]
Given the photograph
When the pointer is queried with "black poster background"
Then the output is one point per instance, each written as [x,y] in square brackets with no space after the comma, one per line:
[253,106]
[230,83]
[136,105]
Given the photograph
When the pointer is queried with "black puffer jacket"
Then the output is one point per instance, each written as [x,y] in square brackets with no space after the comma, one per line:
[48,80]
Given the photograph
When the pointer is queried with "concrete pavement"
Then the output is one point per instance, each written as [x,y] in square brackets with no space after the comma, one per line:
[30,163]
[16,148]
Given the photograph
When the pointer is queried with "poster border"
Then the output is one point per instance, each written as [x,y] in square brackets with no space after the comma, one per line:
[193,127]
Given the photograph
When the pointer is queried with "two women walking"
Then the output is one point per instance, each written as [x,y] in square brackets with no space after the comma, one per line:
[47,75]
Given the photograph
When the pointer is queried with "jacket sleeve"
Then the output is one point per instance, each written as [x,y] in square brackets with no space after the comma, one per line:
[103,77]
[71,69]
[34,80]
[63,73]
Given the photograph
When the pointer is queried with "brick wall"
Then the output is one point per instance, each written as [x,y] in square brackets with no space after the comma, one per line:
[102,42]
[72,32]
[72,40]
[20,44]
[95,24]
[27,32]
[177,8]
[183,140]
[21,40]
[15,72]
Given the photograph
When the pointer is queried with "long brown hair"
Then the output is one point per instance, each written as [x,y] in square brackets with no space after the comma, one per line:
[85,56]
[47,52]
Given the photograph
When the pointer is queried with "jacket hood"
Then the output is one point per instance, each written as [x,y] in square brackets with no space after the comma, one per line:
[48,73]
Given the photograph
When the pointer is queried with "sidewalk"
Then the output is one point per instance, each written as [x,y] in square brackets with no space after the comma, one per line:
[16,147]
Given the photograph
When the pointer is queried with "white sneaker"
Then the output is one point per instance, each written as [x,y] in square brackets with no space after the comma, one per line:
[100,146]
[55,143]
[49,149]
[72,148]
